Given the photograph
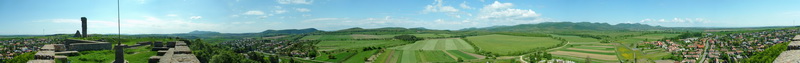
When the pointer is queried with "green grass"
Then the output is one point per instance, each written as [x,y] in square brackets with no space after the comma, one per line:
[102,56]
[592,52]
[648,37]
[139,54]
[365,36]
[135,55]
[505,44]
[583,59]
[577,38]
[460,54]
[356,44]
[426,35]
[435,56]
[595,48]
[360,57]
[409,57]
[383,56]
[337,56]
[437,44]
[327,37]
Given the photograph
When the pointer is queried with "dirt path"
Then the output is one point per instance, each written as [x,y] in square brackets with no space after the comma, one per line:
[389,58]
[474,55]
[522,60]
[565,44]
[451,55]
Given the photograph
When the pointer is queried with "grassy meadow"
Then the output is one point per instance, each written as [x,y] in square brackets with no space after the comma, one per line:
[506,44]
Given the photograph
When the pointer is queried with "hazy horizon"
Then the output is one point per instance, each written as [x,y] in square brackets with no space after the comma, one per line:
[23,17]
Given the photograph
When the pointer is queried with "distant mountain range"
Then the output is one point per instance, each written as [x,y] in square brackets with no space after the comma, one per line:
[570,26]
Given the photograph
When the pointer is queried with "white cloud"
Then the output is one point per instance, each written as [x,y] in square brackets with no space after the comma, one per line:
[303,10]
[438,7]
[675,20]
[195,17]
[465,6]
[254,12]
[280,11]
[504,12]
[295,1]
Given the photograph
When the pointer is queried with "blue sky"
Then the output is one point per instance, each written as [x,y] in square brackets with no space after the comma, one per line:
[25,17]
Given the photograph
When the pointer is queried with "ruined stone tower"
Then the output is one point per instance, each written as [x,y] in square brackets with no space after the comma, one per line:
[83,26]
[77,33]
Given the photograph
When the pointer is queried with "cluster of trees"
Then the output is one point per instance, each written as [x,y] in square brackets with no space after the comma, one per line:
[539,56]
[409,38]
[210,53]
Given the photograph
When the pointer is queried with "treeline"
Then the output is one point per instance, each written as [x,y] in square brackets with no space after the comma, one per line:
[209,53]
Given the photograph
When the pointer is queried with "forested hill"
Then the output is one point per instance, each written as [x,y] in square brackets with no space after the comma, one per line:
[291,31]
[570,26]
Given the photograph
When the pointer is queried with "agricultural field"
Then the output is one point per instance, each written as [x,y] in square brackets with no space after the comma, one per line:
[438,44]
[360,57]
[506,44]
[648,37]
[578,52]
[355,44]
[335,57]
[431,35]
[326,37]
[431,50]
[365,36]
[577,39]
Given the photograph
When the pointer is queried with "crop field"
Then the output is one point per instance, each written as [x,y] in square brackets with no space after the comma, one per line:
[648,37]
[578,52]
[336,56]
[431,50]
[577,39]
[438,44]
[326,37]
[365,36]
[506,44]
[356,44]
[360,57]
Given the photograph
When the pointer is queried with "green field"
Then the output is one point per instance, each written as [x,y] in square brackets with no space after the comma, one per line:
[577,39]
[337,56]
[360,57]
[506,44]
[648,37]
[431,50]
[138,55]
[327,37]
[356,44]
[438,44]
[461,55]
[365,36]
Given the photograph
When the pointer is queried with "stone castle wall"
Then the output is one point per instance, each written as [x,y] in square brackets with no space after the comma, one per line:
[84,45]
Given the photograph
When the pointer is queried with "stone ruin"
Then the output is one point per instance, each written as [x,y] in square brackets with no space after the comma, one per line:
[792,53]
[84,45]
[49,52]
[173,52]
